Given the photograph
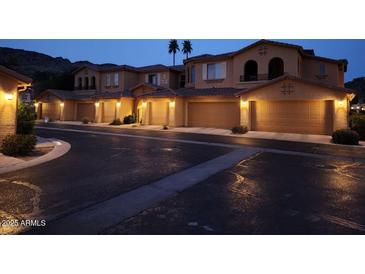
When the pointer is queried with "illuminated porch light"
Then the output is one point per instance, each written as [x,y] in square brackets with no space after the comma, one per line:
[36,105]
[341,103]
[97,104]
[118,104]
[172,104]
[144,104]
[244,104]
[9,96]
[62,104]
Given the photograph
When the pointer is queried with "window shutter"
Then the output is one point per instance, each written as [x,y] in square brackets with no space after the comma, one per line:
[146,78]
[158,79]
[223,70]
[204,71]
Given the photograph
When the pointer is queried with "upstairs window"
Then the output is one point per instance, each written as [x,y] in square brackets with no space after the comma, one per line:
[322,69]
[93,82]
[152,79]
[79,83]
[276,68]
[192,74]
[214,71]
[250,71]
[86,84]
[116,79]
[108,80]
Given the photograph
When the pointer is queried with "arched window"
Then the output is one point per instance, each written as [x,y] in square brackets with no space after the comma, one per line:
[79,83]
[93,82]
[86,86]
[250,73]
[276,68]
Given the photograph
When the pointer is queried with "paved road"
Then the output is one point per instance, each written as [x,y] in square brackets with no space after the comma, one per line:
[269,194]
[96,168]
[100,167]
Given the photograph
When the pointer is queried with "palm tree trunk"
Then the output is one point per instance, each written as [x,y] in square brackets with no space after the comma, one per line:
[187,55]
[174,59]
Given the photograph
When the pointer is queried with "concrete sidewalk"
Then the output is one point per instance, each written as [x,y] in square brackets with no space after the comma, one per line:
[9,164]
[291,137]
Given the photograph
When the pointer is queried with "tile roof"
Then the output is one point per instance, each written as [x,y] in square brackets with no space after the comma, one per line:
[192,92]
[16,75]
[295,78]
[71,95]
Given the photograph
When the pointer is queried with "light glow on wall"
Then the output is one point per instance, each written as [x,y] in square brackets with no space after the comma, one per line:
[341,103]
[62,104]
[9,96]
[172,104]
[36,105]
[144,104]
[244,104]
[118,104]
[97,104]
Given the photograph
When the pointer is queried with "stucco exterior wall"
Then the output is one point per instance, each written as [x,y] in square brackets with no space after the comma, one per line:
[87,72]
[8,108]
[311,71]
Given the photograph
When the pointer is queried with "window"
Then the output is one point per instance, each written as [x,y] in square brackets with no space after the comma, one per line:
[322,69]
[276,68]
[79,84]
[193,74]
[108,80]
[116,79]
[215,71]
[86,85]
[152,79]
[93,81]
[250,71]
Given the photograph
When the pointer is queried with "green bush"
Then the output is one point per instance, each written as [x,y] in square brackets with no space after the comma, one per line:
[239,130]
[25,119]
[116,122]
[85,120]
[130,119]
[165,127]
[357,121]
[18,145]
[345,137]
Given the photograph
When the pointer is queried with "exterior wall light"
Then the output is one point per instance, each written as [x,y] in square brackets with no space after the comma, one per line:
[62,104]
[172,104]
[118,104]
[36,105]
[341,103]
[244,104]
[144,104]
[97,104]
[9,96]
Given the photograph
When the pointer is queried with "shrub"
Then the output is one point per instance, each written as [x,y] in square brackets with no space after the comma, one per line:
[165,127]
[25,119]
[116,122]
[85,120]
[130,119]
[239,130]
[345,137]
[357,121]
[18,145]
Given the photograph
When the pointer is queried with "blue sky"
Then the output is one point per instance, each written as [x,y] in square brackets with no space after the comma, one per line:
[146,52]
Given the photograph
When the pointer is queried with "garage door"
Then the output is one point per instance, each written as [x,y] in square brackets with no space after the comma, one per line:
[159,113]
[51,110]
[108,111]
[85,110]
[308,117]
[213,114]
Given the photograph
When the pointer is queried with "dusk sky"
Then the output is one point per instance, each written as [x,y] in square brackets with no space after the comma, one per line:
[147,52]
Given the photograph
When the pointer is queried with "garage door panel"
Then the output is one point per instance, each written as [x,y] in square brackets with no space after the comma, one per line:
[213,114]
[159,113]
[85,110]
[51,110]
[308,117]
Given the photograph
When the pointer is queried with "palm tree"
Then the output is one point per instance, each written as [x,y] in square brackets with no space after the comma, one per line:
[173,48]
[187,48]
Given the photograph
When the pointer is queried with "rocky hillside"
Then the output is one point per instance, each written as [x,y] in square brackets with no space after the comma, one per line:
[46,71]
[358,84]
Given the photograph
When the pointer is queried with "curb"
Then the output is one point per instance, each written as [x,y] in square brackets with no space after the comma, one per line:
[59,150]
